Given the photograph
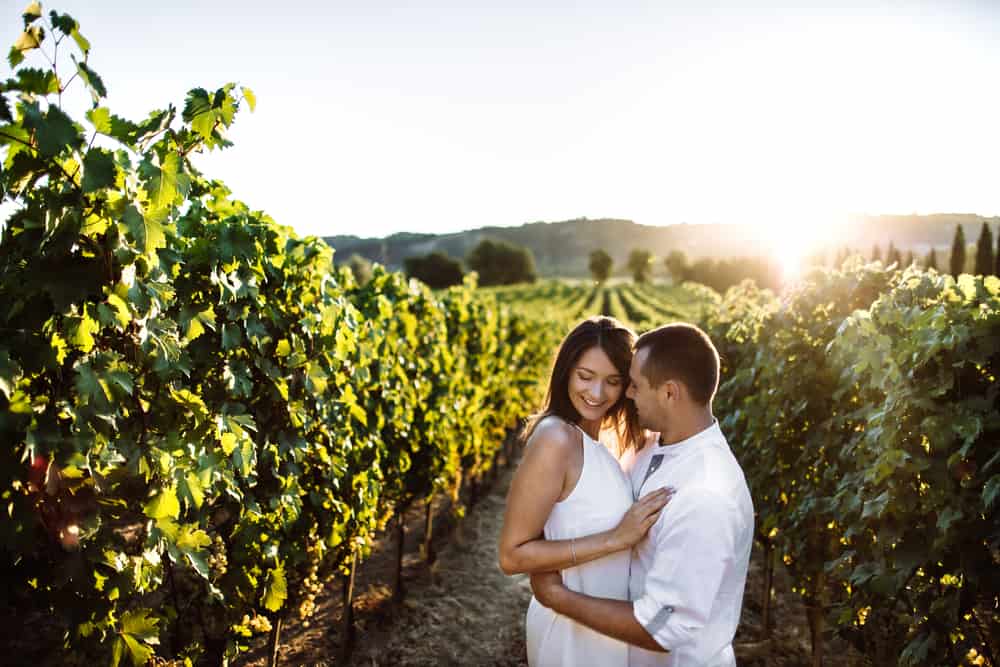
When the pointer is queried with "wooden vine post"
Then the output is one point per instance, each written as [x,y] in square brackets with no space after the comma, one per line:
[427,549]
[348,633]
[398,591]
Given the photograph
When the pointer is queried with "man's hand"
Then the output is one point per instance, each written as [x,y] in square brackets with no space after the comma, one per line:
[546,586]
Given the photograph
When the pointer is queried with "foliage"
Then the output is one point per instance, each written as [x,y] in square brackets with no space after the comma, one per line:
[862,405]
[501,263]
[984,252]
[932,261]
[893,256]
[199,419]
[361,268]
[600,265]
[957,264]
[639,264]
[721,274]
[437,270]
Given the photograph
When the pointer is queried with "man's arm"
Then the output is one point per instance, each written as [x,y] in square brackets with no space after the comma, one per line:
[613,618]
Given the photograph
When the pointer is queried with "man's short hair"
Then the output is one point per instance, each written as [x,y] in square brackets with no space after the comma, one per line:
[681,352]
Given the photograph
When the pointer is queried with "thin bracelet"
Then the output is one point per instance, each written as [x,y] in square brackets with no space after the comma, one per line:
[572,548]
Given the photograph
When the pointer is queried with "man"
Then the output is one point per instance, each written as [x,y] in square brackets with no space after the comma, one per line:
[688,575]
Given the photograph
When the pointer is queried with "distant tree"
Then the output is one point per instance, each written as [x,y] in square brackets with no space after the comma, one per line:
[437,270]
[501,263]
[996,256]
[841,257]
[639,264]
[600,265]
[893,256]
[957,263]
[361,268]
[876,253]
[722,274]
[677,265]
[984,252]
[908,260]
[932,261]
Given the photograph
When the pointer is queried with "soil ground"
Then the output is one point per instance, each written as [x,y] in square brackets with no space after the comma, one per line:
[462,610]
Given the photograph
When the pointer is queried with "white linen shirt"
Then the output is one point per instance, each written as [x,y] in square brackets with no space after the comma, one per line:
[688,574]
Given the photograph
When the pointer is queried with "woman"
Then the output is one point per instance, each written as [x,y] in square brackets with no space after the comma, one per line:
[570,506]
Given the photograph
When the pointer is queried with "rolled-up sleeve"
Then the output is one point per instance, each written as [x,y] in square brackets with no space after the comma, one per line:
[694,546]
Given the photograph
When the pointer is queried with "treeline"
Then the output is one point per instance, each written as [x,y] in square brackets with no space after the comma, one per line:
[200,421]
[864,407]
[494,262]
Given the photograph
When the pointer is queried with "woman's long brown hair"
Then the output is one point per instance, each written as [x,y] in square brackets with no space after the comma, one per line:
[616,340]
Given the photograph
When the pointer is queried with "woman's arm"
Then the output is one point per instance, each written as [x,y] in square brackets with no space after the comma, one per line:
[535,489]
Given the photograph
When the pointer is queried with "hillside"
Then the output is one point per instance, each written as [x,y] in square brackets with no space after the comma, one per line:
[561,248]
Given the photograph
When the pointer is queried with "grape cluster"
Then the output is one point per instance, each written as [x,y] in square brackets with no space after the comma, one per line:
[217,561]
[311,585]
[259,624]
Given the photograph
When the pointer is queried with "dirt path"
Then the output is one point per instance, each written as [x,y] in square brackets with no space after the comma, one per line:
[465,611]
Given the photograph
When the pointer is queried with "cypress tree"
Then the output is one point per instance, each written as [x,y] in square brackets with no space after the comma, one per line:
[908,260]
[958,252]
[876,253]
[932,260]
[893,256]
[996,256]
[984,252]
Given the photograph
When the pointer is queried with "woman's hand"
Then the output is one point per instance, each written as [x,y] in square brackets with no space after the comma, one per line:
[640,517]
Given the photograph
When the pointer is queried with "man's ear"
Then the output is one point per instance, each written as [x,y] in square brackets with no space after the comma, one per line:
[672,390]
[669,390]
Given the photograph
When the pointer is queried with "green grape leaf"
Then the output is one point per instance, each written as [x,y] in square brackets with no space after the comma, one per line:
[56,132]
[15,57]
[33,80]
[164,185]
[163,505]
[232,337]
[276,589]
[192,485]
[81,332]
[89,385]
[228,442]
[81,42]
[199,113]
[139,653]
[98,170]
[251,99]
[31,38]
[100,118]
[120,308]
[32,12]
[93,82]
[192,537]
[145,231]
[138,624]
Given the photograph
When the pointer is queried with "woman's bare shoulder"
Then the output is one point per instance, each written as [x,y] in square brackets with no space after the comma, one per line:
[555,436]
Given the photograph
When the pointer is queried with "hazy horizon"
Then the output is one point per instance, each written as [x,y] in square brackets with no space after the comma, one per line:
[851,219]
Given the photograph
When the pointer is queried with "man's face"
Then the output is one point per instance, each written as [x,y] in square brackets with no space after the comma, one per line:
[642,393]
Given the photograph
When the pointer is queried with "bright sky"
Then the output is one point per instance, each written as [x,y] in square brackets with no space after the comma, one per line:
[377,117]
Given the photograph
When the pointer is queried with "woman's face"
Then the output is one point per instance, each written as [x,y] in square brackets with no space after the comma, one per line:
[595,384]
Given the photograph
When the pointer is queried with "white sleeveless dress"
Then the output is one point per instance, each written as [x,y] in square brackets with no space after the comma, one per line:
[601,497]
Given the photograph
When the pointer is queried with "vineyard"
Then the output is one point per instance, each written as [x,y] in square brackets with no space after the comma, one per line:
[203,420]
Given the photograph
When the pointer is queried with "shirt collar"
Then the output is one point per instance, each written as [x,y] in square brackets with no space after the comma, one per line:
[678,448]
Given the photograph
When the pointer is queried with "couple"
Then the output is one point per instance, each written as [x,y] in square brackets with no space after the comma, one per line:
[639,557]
